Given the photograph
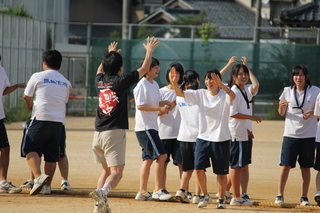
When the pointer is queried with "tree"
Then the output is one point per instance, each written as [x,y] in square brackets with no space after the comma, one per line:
[20,11]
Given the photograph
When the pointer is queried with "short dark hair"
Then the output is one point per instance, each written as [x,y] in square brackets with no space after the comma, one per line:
[179,69]
[53,58]
[112,62]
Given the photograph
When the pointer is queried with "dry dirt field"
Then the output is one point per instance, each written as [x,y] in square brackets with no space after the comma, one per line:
[84,172]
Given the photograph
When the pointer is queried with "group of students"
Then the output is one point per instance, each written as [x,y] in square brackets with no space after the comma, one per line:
[199,128]
[195,126]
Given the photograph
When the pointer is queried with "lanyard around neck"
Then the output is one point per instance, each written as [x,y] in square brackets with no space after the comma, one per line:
[244,94]
[295,96]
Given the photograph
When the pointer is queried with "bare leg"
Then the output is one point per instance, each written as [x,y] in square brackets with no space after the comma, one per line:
[64,167]
[222,185]
[306,176]
[235,175]
[158,172]
[34,161]
[4,162]
[202,181]
[49,169]
[244,179]
[283,177]
[144,175]
[185,178]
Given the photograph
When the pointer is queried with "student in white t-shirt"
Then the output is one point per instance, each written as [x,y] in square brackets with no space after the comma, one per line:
[169,123]
[297,103]
[240,125]
[187,137]
[213,140]
[317,158]
[148,105]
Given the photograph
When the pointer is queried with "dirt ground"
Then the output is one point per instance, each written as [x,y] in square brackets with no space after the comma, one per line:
[84,173]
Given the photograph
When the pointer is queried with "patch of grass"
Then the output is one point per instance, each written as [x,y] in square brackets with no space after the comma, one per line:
[16,114]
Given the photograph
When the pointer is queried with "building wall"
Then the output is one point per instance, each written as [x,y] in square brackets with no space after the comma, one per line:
[101,11]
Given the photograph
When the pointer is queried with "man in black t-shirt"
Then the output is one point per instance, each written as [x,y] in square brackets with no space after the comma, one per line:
[109,141]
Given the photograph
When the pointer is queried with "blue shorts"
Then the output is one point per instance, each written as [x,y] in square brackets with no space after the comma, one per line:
[317,158]
[172,147]
[4,142]
[240,153]
[62,142]
[43,137]
[187,150]
[297,148]
[219,152]
[151,144]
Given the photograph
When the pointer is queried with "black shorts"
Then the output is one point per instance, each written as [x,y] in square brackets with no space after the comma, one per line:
[4,142]
[187,150]
[43,137]
[172,147]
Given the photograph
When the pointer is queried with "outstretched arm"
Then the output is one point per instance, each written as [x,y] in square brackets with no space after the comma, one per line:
[217,81]
[12,88]
[150,47]
[254,80]
[232,60]
[111,47]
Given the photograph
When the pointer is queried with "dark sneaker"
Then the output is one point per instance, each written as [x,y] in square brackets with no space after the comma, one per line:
[317,198]
[221,204]
[304,201]
[279,199]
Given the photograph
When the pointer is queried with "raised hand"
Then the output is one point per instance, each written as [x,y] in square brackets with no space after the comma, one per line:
[244,61]
[151,44]
[113,47]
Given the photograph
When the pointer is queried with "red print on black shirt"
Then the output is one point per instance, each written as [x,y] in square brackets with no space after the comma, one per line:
[108,100]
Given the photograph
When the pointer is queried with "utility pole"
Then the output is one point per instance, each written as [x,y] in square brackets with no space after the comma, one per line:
[126,6]
[257,23]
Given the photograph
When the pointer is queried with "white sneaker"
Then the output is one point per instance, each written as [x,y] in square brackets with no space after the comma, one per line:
[189,195]
[162,194]
[196,199]
[221,204]
[46,190]
[239,202]
[279,199]
[39,183]
[227,196]
[246,197]
[182,197]
[9,188]
[96,208]
[100,196]
[28,184]
[204,201]
[65,185]
[144,197]
[304,201]
[317,198]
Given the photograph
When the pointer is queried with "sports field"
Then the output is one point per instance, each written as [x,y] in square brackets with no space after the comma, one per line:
[84,173]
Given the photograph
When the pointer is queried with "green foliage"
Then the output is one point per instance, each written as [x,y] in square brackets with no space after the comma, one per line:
[273,113]
[143,32]
[115,34]
[20,11]
[15,114]
[207,31]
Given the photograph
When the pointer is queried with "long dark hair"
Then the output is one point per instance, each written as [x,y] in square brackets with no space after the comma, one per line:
[190,77]
[235,71]
[296,71]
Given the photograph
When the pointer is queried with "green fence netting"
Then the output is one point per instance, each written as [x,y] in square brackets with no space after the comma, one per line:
[272,63]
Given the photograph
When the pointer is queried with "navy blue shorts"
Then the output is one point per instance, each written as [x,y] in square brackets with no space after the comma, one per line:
[240,153]
[62,142]
[4,142]
[43,137]
[219,152]
[151,144]
[187,150]
[172,147]
[297,148]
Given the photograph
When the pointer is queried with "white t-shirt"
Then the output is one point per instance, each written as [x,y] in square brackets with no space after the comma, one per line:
[239,127]
[295,126]
[50,90]
[169,123]
[146,93]
[189,126]
[4,83]
[213,114]
[317,113]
